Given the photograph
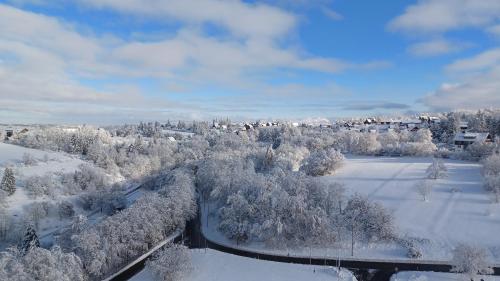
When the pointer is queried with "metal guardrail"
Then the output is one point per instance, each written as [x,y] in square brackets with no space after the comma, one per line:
[138,264]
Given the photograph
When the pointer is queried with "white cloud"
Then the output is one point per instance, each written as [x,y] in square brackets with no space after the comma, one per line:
[482,61]
[494,30]
[332,14]
[436,16]
[478,86]
[480,91]
[55,66]
[435,47]
[242,19]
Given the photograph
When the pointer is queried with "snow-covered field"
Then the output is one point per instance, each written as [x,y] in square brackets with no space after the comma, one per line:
[11,156]
[18,205]
[436,276]
[211,265]
[459,210]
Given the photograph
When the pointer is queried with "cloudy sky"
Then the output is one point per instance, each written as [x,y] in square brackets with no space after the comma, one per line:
[115,61]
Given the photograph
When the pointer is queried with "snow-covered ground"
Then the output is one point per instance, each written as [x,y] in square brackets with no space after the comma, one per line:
[459,210]
[211,265]
[47,163]
[436,276]
[11,156]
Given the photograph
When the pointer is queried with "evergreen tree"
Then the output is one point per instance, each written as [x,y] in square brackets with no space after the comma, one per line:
[8,183]
[30,240]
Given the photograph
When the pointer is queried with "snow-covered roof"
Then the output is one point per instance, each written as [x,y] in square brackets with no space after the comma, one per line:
[413,121]
[471,137]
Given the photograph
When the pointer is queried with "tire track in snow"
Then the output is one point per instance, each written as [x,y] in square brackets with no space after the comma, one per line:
[443,215]
[392,178]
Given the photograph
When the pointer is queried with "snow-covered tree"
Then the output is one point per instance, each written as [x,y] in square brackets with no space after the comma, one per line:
[470,261]
[5,220]
[171,263]
[437,169]
[492,184]
[38,186]
[30,240]
[65,209]
[41,265]
[491,165]
[37,211]
[424,189]
[323,162]
[235,218]
[8,183]
[28,159]
[367,220]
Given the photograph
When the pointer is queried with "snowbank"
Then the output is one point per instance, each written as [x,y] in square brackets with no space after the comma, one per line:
[436,276]
[211,265]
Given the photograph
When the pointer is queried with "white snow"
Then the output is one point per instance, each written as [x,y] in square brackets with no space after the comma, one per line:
[11,156]
[58,161]
[459,209]
[211,265]
[436,276]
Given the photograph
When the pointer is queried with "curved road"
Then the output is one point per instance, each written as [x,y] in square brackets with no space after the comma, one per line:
[383,270]
[363,270]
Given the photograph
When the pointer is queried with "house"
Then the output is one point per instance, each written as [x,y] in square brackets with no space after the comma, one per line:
[463,126]
[464,139]
[369,121]
[9,133]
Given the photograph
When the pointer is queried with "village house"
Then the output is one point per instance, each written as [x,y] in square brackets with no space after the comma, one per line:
[464,139]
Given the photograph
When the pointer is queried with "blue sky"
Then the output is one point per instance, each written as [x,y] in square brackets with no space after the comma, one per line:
[115,61]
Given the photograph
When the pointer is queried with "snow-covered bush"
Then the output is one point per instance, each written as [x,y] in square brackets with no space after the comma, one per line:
[28,159]
[491,173]
[410,244]
[479,150]
[40,264]
[5,222]
[65,209]
[470,261]
[437,169]
[171,263]
[323,162]
[424,189]
[38,186]
[37,211]
[492,184]
[491,165]
[86,178]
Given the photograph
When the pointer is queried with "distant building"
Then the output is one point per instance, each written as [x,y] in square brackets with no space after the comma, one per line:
[464,139]
[369,121]
[9,133]
[463,126]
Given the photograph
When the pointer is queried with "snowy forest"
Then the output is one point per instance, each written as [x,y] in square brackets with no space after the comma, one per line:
[263,184]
